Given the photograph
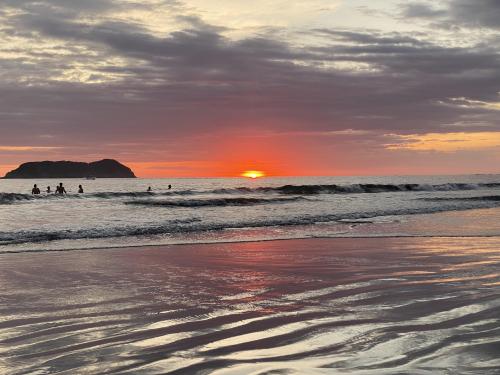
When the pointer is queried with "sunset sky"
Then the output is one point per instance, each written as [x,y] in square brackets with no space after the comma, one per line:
[215,87]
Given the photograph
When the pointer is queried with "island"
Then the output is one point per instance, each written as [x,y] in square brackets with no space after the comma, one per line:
[106,168]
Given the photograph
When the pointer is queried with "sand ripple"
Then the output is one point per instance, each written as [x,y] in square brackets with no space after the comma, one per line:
[373,306]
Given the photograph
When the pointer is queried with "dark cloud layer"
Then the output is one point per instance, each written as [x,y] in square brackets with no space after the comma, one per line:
[477,13]
[465,13]
[197,81]
[422,10]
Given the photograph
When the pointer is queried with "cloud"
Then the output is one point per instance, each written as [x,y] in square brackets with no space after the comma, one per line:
[97,73]
[421,10]
[464,13]
[476,13]
[27,148]
[446,142]
[472,104]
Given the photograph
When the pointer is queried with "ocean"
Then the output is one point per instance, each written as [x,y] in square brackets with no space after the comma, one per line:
[121,213]
[371,275]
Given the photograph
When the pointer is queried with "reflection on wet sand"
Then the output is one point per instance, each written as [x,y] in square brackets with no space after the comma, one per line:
[371,306]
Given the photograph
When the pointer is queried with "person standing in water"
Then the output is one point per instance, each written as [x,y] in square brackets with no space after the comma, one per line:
[80,189]
[149,189]
[48,190]
[60,189]
[169,187]
[35,190]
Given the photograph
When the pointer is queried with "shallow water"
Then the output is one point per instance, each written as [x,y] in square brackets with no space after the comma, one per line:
[119,212]
[324,306]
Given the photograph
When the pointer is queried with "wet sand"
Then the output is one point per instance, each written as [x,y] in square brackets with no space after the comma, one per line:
[316,306]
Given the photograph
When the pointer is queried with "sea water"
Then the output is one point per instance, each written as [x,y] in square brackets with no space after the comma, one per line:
[122,213]
[385,304]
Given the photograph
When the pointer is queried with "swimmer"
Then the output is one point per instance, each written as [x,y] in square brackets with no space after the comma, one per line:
[60,189]
[35,190]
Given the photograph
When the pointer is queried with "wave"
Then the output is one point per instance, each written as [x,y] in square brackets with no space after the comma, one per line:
[355,188]
[485,198]
[371,188]
[138,194]
[197,225]
[10,198]
[218,202]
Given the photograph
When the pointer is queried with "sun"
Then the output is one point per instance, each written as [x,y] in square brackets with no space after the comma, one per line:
[253,174]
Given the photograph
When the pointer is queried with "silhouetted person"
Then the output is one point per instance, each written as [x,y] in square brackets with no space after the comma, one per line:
[60,189]
[80,189]
[48,190]
[35,190]
[169,187]
[149,189]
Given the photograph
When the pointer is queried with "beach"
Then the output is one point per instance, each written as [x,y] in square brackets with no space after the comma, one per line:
[312,306]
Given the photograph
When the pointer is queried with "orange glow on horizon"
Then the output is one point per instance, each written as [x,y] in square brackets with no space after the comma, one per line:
[253,174]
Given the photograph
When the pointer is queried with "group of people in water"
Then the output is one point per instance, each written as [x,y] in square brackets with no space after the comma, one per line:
[60,189]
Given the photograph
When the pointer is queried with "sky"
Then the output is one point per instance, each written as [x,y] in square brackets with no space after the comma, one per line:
[177,88]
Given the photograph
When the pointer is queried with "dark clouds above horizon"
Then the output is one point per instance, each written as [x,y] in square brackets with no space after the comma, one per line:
[170,81]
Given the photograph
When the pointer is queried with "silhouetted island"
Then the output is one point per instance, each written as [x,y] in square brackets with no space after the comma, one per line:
[107,168]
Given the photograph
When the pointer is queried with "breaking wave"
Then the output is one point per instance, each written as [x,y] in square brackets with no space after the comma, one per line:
[197,225]
[10,198]
[368,188]
[138,194]
[219,202]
